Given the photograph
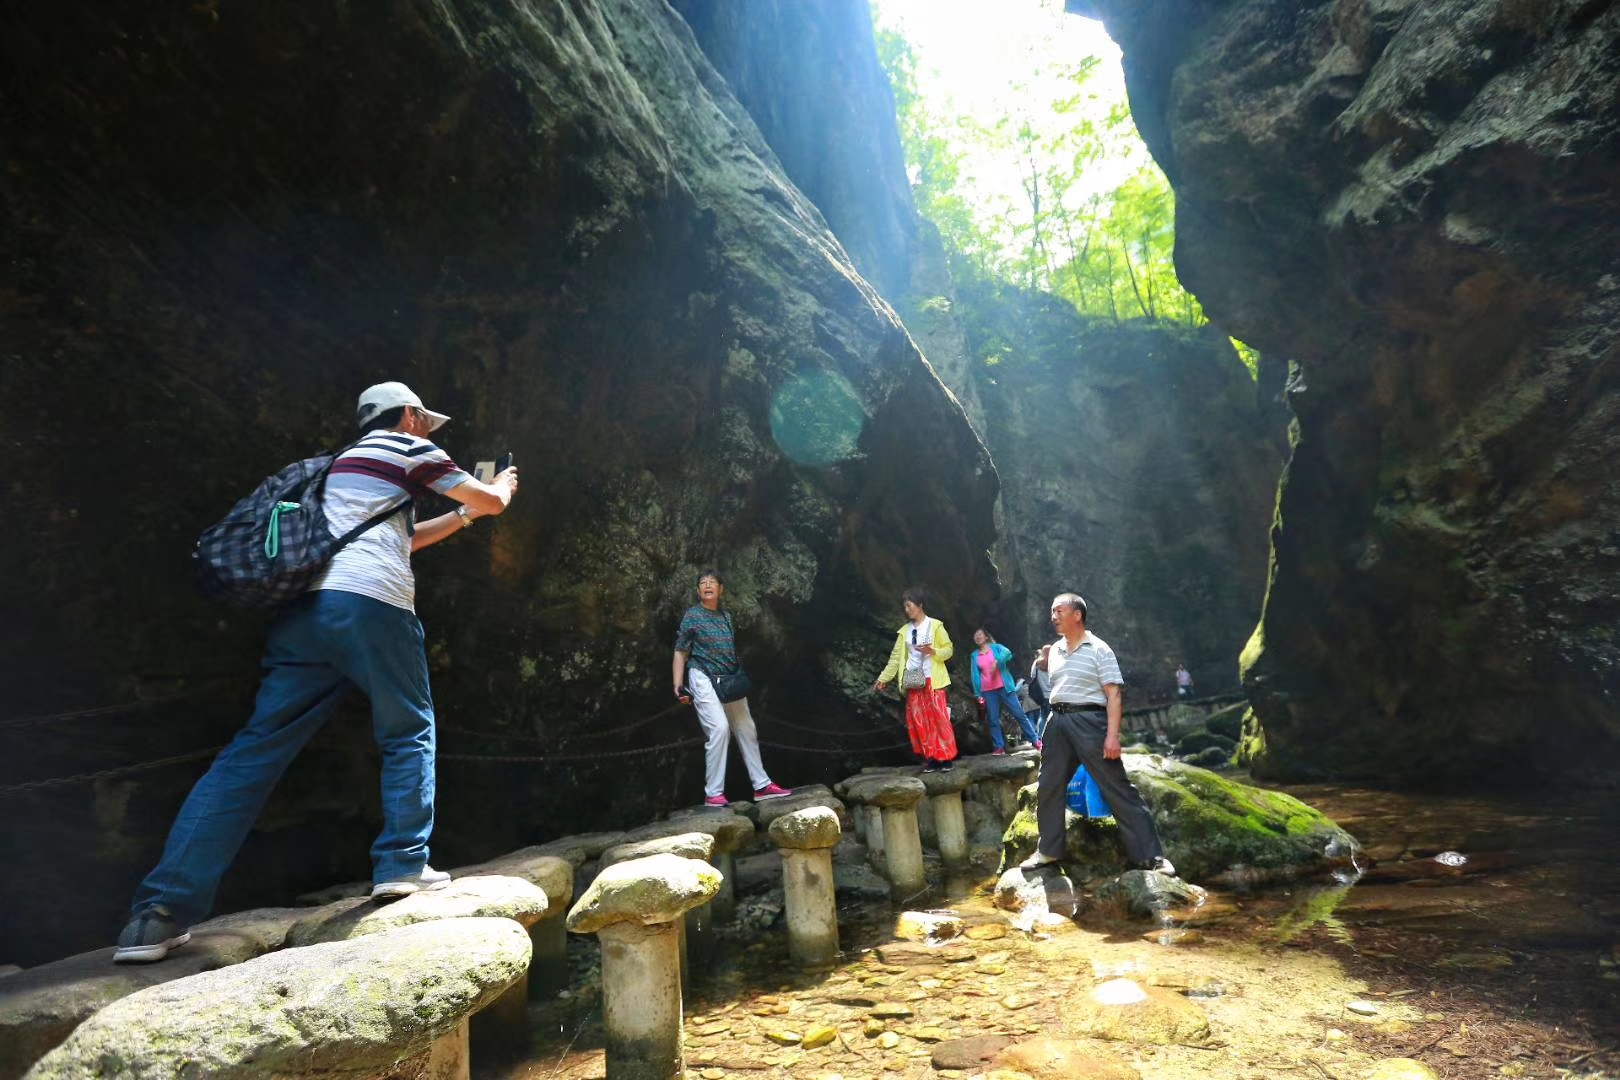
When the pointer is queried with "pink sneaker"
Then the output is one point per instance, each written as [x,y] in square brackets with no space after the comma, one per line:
[771,791]
[998,752]
[718,801]
[1038,744]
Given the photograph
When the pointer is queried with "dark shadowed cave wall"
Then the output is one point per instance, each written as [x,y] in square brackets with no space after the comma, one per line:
[1419,205]
[564,228]
[555,222]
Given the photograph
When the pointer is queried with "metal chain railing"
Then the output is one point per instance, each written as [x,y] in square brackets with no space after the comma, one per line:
[600,755]
[99,710]
[836,749]
[108,774]
[453,729]
[773,719]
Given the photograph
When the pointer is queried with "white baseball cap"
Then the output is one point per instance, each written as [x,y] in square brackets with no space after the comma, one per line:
[376,400]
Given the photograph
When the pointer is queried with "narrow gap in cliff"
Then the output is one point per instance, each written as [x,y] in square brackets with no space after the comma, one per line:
[1023,155]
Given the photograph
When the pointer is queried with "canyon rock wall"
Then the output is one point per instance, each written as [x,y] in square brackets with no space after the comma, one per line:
[1170,485]
[1137,468]
[809,76]
[1417,204]
[558,225]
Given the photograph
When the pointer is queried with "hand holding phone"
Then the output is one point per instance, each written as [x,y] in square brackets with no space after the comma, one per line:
[485,472]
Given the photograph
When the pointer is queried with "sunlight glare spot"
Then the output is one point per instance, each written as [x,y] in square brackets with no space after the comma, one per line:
[1118,992]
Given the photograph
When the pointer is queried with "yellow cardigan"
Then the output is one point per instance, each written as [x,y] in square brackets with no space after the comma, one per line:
[943,651]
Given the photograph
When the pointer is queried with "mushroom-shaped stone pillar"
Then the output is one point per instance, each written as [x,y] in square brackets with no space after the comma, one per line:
[996,781]
[633,908]
[806,839]
[501,1029]
[871,819]
[945,795]
[554,875]
[688,845]
[897,796]
[730,831]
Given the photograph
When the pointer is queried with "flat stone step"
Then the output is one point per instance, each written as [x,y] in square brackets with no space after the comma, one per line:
[341,1009]
[41,1006]
[464,898]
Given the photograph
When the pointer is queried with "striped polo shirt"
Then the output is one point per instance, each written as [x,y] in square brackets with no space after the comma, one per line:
[383,470]
[1078,677]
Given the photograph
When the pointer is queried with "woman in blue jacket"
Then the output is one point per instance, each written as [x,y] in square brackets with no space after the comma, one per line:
[993,685]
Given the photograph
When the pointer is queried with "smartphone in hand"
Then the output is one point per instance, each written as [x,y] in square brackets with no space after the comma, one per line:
[504,462]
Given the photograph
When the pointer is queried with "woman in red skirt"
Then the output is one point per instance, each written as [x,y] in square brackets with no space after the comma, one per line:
[920,650]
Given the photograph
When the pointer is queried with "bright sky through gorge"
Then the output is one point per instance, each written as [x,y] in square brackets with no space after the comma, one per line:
[992,61]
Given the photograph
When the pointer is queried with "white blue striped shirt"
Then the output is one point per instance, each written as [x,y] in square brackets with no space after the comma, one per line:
[1078,677]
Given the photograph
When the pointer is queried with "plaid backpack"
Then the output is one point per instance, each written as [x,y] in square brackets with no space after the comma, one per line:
[273,544]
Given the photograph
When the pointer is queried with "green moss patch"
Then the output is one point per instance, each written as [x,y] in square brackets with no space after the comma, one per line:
[1210,824]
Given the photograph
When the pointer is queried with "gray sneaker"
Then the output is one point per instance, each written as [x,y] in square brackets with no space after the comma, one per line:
[149,937]
[427,881]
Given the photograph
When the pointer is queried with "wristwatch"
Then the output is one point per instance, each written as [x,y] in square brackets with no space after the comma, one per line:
[466,518]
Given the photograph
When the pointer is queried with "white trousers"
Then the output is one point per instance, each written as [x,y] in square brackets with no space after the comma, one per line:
[718,721]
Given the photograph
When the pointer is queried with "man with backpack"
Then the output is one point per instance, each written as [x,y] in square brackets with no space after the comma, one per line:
[355,625]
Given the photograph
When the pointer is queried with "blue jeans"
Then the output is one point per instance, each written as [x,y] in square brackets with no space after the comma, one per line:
[993,700]
[321,645]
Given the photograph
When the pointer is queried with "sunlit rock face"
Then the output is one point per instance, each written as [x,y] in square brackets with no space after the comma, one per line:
[1137,467]
[1176,556]
[1415,201]
[809,77]
[555,222]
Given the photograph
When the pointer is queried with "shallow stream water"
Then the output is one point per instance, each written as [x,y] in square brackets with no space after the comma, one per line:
[1482,938]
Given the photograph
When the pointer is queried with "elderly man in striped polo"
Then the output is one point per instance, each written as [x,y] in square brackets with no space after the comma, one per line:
[1084,730]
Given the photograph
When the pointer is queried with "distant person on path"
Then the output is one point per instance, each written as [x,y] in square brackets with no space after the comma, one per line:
[1040,692]
[1184,681]
[1087,708]
[994,687]
[921,648]
[706,655]
[356,626]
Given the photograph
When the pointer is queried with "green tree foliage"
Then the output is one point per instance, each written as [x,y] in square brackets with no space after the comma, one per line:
[933,162]
[1107,251]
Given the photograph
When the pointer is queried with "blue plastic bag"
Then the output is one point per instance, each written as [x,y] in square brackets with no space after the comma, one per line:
[1085,797]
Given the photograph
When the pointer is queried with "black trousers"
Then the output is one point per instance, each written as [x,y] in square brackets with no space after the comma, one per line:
[1074,739]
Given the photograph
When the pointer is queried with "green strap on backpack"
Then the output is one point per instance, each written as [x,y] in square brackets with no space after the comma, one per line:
[272,534]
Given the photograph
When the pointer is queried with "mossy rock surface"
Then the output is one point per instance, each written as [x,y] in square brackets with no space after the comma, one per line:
[341,1009]
[1209,824]
[492,897]
[649,890]
[688,845]
[553,875]
[812,827]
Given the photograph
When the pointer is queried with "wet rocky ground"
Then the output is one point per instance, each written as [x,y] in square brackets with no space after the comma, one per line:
[1481,941]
